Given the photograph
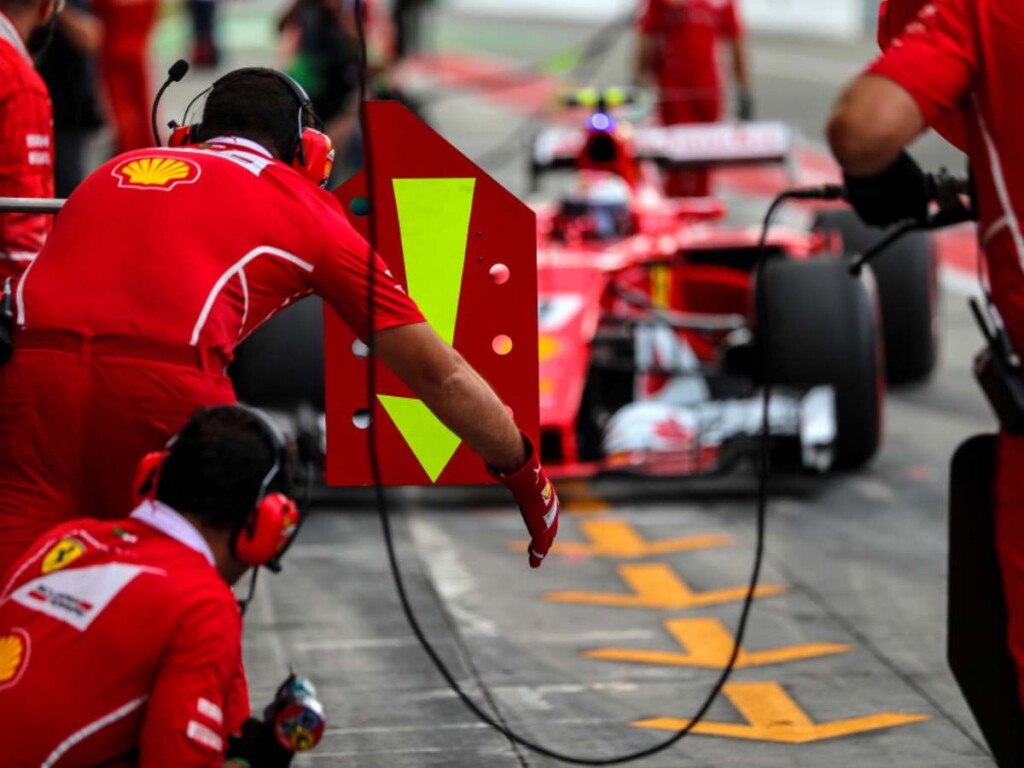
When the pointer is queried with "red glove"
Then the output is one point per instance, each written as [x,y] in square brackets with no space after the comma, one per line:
[538,503]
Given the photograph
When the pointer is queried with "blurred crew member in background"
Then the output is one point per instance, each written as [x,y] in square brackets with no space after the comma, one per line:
[124,68]
[407,19]
[956,66]
[68,67]
[26,128]
[205,52]
[120,642]
[678,51]
[159,265]
[319,49]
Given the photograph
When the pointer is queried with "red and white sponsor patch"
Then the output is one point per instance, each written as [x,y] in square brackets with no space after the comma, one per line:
[204,736]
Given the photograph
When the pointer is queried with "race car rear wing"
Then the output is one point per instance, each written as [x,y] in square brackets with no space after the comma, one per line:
[677,146]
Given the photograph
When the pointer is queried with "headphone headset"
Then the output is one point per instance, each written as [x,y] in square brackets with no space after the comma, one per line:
[262,536]
[311,150]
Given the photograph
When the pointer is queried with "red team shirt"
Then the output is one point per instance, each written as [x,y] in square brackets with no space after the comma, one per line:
[26,150]
[199,247]
[117,636]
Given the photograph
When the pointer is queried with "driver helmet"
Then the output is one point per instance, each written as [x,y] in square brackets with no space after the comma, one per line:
[600,206]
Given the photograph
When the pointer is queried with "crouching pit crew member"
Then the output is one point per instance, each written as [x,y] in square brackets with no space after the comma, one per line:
[160,263]
[954,65]
[120,641]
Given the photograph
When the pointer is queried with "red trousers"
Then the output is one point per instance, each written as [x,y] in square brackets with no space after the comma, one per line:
[124,67]
[72,431]
[675,110]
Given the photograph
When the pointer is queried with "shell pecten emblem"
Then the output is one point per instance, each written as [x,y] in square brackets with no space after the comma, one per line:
[12,655]
[156,172]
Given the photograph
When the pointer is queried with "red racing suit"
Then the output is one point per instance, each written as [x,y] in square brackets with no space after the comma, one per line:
[964,57]
[687,34]
[116,637]
[26,150]
[160,263]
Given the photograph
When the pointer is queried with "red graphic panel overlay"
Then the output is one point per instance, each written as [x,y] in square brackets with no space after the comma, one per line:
[465,248]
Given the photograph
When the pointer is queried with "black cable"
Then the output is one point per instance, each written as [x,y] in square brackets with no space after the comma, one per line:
[384,512]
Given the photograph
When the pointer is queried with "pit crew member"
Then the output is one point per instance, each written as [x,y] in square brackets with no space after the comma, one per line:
[954,66]
[678,50]
[26,128]
[164,260]
[120,642]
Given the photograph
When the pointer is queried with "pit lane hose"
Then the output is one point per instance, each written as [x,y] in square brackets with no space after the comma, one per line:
[384,513]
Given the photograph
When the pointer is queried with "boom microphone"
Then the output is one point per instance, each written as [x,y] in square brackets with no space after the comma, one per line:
[177,71]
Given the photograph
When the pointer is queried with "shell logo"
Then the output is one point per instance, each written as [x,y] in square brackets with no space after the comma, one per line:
[163,173]
[12,656]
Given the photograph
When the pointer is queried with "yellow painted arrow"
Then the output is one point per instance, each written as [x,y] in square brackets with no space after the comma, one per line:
[708,644]
[433,219]
[772,715]
[658,586]
[579,499]
[618,539]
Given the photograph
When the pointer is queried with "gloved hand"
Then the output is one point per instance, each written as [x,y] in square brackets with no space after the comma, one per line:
[899,193]
[258,747]
[537,500]
[744,106]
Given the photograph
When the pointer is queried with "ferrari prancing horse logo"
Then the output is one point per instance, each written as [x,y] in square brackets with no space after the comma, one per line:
[63,554]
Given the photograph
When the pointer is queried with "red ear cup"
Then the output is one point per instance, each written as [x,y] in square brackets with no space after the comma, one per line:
[268,530]
[181,136]
[318,153]
[147,477]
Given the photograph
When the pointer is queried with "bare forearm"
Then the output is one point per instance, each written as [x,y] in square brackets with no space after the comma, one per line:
[872,123]
[454,392]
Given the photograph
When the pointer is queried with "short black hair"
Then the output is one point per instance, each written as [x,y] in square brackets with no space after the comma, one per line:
[255,103]
[217,464]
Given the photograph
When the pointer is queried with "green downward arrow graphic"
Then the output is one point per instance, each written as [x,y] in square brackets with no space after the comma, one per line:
[433,217]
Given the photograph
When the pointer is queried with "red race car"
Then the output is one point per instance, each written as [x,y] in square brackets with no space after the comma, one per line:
[650,322]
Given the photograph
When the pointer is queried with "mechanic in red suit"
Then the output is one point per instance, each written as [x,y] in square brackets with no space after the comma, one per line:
[160,263]
[955,65]
[120,642]
[678,51]
[26,128]
[124,67]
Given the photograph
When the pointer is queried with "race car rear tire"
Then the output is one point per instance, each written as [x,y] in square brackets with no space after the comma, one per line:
[908,293]
[823,329]
[281,365]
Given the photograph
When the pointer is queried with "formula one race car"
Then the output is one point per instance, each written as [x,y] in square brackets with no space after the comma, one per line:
[650,318]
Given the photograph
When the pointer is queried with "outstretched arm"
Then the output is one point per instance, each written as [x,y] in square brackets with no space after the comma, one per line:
[457,395]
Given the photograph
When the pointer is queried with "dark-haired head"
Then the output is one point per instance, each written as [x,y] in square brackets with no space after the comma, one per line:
[256,103]
[217,466]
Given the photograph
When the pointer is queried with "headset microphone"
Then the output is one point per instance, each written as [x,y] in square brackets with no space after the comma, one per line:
[177,71]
